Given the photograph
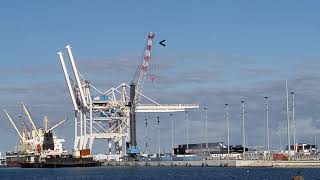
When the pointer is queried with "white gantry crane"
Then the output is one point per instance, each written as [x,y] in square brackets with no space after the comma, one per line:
[110,114]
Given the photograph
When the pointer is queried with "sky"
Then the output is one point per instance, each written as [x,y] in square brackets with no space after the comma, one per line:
[216,52]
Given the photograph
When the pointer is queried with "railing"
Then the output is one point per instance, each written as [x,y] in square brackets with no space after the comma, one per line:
[165,107]
[178,105]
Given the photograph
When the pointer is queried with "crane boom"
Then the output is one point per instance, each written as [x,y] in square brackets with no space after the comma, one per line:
[14,125]
[24,126]
[76,74]
[66,75]
[142,69]
[55,126]
[136,87]
[30,119]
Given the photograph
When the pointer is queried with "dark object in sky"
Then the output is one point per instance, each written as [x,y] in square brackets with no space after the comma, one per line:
[161,43]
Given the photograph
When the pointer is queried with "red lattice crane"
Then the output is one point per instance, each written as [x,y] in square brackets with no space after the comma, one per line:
[136,87]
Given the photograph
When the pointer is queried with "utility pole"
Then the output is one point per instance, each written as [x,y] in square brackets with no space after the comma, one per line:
[243,131]
[293,122]
[206,111]
[187,116]
[288,121]
[159,149]
[267,117]
[172,134]
[228,132]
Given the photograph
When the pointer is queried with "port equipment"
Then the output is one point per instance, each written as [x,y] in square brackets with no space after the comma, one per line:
[35,131]
[136,87]
[22,139]
[25,129]
[111,114]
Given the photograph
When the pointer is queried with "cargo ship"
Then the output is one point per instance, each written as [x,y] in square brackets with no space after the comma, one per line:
[49,159]
[13,159]
[39,147]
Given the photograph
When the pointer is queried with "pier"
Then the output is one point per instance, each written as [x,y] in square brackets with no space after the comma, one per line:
[220,163]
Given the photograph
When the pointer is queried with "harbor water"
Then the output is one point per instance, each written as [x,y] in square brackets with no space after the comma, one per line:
[157,173]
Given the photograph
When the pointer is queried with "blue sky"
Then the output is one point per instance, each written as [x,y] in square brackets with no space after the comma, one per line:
[217,51]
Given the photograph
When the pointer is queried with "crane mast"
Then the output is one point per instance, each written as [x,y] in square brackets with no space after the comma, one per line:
[136,87]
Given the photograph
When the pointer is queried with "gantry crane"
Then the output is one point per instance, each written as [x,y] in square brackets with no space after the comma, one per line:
[111,114]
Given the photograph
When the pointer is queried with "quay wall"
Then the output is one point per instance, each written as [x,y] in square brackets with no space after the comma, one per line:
[296,163]
[218,163]
[253,163]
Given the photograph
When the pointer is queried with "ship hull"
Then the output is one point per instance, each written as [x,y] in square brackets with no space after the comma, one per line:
[61,162]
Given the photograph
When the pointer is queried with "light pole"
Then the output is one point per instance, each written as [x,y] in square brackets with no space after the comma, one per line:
[243,131]
[280,136]
[316,125]
[206,110]
[172,134]
[315,136]
[187,117]
[294,123]
[159,150]
[228,132]
[146,123]
[288,122]
[267,117]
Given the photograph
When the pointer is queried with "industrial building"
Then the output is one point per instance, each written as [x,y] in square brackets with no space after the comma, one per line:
[211,148]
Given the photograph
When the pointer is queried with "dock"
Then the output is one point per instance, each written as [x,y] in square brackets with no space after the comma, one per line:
[219,163]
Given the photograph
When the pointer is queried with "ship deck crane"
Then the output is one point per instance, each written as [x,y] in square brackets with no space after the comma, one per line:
[14,126]
[25,129]
[57,125]
[33,126]
[46,124]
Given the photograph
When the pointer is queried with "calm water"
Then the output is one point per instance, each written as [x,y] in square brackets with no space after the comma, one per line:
[98,173]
